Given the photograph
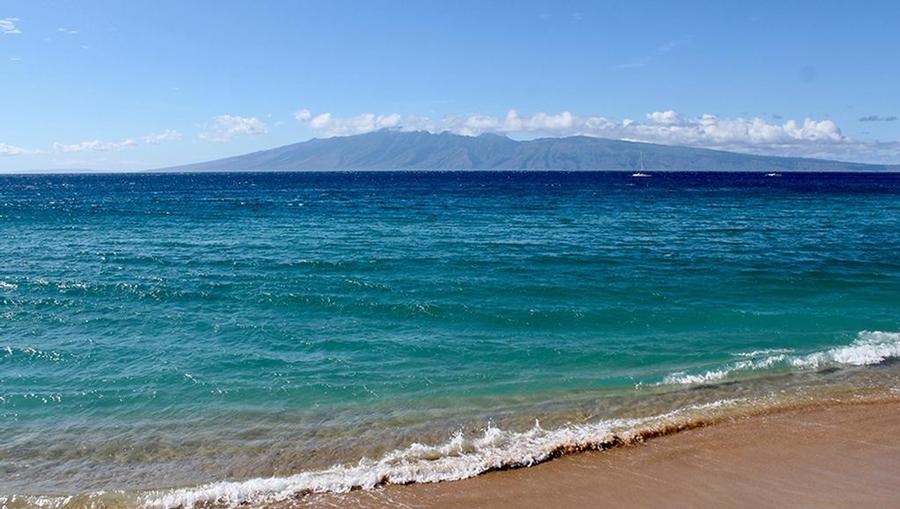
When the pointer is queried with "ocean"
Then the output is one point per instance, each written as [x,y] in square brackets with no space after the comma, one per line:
[179,339]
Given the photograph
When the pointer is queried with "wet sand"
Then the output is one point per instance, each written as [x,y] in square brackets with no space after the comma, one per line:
[845,455]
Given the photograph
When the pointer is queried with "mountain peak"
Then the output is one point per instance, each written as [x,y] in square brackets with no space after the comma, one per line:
[396,149]
[493,136]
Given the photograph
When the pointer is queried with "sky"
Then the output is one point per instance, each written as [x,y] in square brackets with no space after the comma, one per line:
[112,85]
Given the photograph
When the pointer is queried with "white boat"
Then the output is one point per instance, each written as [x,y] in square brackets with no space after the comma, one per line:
[641,173]
[773,174]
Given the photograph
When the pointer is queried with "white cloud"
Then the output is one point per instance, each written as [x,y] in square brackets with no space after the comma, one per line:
[664,117]
[12,150]
[225,127]
[334,126]
[809,137]
[67,31]
[95,146]
[8,26]
[167,135]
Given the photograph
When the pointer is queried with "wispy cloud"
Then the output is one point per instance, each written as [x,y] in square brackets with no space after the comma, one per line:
[876,118]
[641,62]
[662,49]
[157,138]
[668,46]
[67,31]
[12,150]
[809,137]
[226,127]
[95,146]
[8,26]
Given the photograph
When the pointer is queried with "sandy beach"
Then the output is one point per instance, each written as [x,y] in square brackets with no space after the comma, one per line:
[843,455]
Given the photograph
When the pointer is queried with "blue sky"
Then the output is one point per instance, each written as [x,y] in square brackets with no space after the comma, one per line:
[114,85]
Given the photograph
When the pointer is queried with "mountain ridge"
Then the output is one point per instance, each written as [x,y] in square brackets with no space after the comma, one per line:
[421,150]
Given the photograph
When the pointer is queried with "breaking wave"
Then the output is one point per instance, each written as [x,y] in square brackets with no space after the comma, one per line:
[869,347]
[468,455]
[459,458]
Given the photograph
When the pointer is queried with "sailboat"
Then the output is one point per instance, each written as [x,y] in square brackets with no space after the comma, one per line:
[641,173]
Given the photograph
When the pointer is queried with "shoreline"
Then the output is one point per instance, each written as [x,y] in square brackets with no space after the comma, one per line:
[775,451]
[828,454]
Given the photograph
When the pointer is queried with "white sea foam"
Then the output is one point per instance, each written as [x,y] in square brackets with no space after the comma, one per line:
[459,458]
[869,347]
[767,351]
[683,378]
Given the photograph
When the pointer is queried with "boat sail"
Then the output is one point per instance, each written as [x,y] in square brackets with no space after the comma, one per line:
[641,172]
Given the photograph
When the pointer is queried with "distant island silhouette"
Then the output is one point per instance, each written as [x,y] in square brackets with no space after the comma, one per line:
[422,150]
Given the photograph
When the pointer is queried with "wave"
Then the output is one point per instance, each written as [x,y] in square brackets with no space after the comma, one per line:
[459,458]
[869,347]
[469,455]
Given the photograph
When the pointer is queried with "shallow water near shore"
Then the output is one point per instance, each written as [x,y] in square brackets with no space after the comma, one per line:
[178,339]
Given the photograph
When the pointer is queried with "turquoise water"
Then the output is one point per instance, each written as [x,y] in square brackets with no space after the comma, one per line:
[163,331]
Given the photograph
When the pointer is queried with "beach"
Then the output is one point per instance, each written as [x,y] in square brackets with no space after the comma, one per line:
[840,455]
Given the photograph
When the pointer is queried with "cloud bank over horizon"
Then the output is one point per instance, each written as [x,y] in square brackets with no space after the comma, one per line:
[806,138]
[753,135]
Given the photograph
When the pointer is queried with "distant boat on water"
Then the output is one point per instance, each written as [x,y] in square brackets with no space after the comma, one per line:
[773,174]
[641,173]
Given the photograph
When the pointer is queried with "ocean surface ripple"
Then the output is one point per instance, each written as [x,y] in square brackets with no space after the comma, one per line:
[265,334]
